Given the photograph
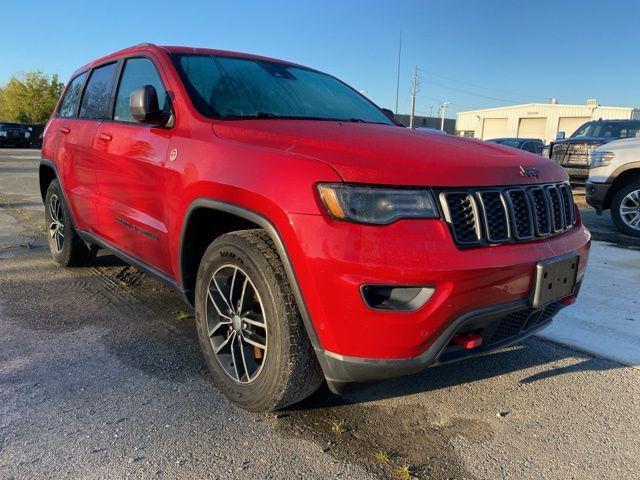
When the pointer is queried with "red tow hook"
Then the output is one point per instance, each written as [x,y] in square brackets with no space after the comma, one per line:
[468,340]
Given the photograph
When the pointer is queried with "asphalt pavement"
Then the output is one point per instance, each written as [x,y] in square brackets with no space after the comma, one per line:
[101,377]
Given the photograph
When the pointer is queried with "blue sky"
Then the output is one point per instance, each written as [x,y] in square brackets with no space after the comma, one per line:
[474,54]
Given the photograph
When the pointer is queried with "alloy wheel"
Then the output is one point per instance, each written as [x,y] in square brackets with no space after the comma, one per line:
[630,210]
[236,323]
[56,227]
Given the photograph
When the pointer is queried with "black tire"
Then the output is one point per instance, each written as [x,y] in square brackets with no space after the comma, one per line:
[290,371]
[616,206]
[71,251]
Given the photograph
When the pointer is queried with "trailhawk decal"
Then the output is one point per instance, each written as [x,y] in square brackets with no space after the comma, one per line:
[136,228]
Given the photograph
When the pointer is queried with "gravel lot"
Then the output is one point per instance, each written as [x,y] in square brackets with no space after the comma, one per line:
[101,377]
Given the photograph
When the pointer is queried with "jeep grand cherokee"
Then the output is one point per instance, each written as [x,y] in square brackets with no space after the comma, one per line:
[315,237]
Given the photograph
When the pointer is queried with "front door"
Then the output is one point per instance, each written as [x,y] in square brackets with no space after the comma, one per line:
[131,204]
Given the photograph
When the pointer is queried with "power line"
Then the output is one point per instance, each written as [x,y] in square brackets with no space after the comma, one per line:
[455,80]
[475,94]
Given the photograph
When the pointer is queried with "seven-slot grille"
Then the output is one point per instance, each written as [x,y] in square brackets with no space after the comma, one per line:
[489,216]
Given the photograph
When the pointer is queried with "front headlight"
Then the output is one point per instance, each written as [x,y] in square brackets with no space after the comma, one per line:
[600,159]
[376,205]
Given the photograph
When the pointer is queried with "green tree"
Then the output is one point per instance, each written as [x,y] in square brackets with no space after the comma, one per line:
[30,97]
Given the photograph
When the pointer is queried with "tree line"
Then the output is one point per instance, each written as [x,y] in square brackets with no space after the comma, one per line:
[29,97]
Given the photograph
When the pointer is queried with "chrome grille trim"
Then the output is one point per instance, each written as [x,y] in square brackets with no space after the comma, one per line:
[448,209]
[523,224]
[567,201]
[556,208]
[490,216]
[492,226]
[541,211]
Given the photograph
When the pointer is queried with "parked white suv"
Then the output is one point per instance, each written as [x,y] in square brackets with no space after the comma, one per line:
[614,183]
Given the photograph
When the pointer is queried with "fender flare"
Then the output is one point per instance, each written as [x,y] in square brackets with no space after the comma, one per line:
[273,233]
[50,164]
[45,162]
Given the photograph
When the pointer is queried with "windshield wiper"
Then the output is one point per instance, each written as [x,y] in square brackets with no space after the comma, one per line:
[252,116]
[360,120]
[268,115]
[257,115]
[264,115]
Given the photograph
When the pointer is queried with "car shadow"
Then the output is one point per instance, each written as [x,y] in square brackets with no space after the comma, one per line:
[153,331]
[532,353]
[107,259]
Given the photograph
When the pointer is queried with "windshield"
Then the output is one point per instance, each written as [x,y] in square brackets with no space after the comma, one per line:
[239,88]
[610,130]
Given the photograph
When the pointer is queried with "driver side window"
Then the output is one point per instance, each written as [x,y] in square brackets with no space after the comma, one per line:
[136,73]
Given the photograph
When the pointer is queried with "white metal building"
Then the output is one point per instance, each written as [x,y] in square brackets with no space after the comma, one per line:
[536,120]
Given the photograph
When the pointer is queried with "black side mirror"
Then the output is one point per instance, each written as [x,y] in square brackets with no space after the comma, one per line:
[388,113]
[144,107]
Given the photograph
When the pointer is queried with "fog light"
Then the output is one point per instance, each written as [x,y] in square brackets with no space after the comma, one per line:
[403,299]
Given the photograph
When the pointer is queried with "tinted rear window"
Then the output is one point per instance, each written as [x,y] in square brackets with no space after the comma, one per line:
[69,104]
[95,101]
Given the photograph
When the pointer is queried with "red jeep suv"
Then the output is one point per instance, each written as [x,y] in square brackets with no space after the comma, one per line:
[315,237]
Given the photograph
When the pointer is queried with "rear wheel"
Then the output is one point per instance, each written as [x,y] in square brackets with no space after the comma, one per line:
[249,327]
[625,209]
[67,248]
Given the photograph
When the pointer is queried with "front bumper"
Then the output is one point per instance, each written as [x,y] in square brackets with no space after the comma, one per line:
[595,194]
[501,325]
[337,258]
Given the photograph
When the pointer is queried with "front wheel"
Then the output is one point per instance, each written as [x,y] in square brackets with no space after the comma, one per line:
[625,209]
[249,328]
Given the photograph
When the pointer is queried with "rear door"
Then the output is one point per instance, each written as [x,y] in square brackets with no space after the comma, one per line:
[70,141]
[130,172]
[80,144]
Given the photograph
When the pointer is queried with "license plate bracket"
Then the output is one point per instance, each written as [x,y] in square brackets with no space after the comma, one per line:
[555,279]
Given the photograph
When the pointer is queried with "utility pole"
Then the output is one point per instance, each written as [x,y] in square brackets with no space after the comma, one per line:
[443,107]
[414,90]
[398,77]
